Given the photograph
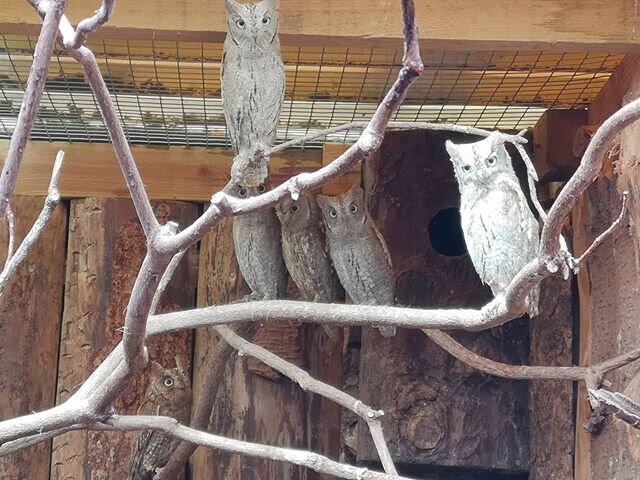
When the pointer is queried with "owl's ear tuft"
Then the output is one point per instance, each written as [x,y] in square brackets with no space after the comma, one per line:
[179,365]
[156,369]
[233,6]
[274,4]
[355,194]
[452,149]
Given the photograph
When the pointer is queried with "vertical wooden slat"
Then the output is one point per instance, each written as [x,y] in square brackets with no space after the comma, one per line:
[30,317]
[248,406]
[105,250]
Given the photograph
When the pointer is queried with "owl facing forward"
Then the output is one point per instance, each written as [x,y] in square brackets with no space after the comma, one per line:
[499,228]
[253,84]
[358,251]
[169,393]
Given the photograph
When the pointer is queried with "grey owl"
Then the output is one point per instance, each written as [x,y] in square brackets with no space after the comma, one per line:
[358,251]
[256,237]
[305,252]
[253,84]
[169,393]
[499,229]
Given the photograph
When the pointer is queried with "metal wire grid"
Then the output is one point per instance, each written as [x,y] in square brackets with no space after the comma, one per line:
[169,92]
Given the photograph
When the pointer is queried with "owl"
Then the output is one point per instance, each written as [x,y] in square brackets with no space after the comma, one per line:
[169,393]
[258,247]
[499,228]
[253,84]
[358,251]
[305,253]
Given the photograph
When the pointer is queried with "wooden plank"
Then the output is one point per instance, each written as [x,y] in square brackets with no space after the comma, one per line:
[331,151]
[30,319]
[568,25]
[551,402]
[106,248]
[609,304]
[553,144]
[249,406]
[431,401]
[169,173]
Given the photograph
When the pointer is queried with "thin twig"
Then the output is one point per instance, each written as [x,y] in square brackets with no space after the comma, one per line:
[308,383]
[32,96]
[358,125]
[91,24]
[11,227]
[164,281]
[302,458]
[611,231]
[51,201]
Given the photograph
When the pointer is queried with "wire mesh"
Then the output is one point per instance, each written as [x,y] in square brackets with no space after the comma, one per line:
[169,92]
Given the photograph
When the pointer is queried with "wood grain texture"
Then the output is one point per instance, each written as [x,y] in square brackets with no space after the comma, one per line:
[439,412]
[248,406]
[551,402]
[169,173]
[30,319]
[105,250]
[566,24]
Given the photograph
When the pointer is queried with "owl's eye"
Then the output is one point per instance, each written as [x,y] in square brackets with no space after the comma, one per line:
[240,23]
[266,20]
[491,160]
[168,382]
[294,208]
[261,188]
[353,208]
[242,192]
[466,168]
[333,213]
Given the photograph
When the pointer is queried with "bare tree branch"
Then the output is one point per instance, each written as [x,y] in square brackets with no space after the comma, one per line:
[50,203]
[11,231]
[302,458]
[164,281]
[308,383]
[91,24]
[32,96]
[611,231]
[623,407]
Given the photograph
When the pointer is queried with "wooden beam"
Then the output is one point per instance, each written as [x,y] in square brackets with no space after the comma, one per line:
[169,173]
[569,25]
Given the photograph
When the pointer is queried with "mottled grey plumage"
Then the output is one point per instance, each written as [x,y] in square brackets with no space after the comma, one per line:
[499,229]
[256,237]
[169,393]
[358,251]
[253,86]
[305,252]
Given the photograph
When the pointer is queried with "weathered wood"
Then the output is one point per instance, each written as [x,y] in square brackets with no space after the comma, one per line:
[30,319]
[169,173]
[551,402]
[331,151]
[551,25]
[553,142]
[105,250]
[248,406]
[438,411]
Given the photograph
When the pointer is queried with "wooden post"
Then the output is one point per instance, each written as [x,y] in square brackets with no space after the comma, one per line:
[30,318]
[438,412]
[608,288]
[105,250]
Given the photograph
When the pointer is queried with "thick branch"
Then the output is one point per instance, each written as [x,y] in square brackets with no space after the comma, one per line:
[32,96]
[91,24]
[302,458]
[51,201]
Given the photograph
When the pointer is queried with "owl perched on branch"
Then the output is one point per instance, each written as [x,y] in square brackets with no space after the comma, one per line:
[253,86]
[305,252]
[169,394]
[358,251]
[499,228]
